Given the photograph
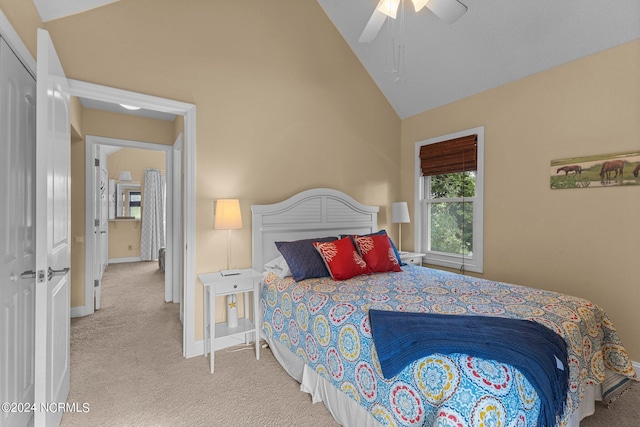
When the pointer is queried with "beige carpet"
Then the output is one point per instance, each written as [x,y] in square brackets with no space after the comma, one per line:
[127,365]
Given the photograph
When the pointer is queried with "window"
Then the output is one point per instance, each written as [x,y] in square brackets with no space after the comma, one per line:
[449,199]
[135,204]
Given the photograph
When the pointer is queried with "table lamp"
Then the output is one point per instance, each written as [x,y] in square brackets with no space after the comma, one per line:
[228,217]
[400,214]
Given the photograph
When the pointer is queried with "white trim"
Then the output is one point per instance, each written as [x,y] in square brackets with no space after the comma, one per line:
[175,257]
[127,259]
[114,95]
[16,44]
[189,235]
[636,366]
[199,347]
[477,263]
[108,94]
[78,311]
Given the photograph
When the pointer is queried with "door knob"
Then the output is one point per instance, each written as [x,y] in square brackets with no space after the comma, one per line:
[53,272]
[29,274]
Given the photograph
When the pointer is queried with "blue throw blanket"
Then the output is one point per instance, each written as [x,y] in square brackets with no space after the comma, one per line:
[536,351]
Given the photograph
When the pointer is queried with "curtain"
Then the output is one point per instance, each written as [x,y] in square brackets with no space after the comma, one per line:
[152,238]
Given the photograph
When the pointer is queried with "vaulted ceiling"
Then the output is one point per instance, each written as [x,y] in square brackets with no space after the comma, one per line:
[493,43]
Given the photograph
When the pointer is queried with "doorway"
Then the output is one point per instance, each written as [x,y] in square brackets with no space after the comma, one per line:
[187,229]
[183,258]
[101,223]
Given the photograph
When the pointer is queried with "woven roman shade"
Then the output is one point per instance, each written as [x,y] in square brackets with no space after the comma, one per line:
[451,156]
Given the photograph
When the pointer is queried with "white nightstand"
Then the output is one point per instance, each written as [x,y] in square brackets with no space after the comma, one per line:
[414,258]
[248,280]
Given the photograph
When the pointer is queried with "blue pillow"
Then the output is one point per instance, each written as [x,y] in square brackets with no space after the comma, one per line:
[303,259]
[395,251]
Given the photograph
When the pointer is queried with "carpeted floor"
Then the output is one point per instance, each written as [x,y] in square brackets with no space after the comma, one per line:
[127,365]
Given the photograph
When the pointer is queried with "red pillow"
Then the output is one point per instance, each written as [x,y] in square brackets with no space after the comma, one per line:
[342,259]
[377,252]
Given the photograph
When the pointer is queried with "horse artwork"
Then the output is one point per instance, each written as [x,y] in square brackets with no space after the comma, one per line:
[572,168]
[612,166]
[600,170]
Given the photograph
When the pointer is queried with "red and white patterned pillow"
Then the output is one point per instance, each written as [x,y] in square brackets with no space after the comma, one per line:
[377,252]
[342,259]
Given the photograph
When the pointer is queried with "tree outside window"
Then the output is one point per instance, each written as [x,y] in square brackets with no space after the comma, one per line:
[450,215]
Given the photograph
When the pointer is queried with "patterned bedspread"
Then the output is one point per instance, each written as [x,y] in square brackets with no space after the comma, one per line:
[325,323]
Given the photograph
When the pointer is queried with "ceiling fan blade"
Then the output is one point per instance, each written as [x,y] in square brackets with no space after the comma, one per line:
[372,29]
[447,10]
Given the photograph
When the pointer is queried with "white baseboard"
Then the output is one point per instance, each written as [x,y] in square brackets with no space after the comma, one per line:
[78,311]
[129,259]
[636,366]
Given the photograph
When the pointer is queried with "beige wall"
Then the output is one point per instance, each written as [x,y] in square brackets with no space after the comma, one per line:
[283,106]
[280,108]
[579,242]
[123,126]
[111,125]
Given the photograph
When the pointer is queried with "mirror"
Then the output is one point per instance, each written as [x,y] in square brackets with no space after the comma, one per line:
[128,200]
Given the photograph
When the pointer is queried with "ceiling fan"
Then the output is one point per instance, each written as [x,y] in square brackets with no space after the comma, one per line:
[447,10]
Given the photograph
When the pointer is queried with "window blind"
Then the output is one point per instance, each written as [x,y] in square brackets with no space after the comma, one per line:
[451,156]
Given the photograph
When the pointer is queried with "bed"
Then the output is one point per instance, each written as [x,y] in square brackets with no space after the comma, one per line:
[320,332]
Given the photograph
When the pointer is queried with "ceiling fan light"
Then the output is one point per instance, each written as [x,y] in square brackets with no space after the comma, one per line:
[447,10]
[419,4]
[389,7]
[129,107]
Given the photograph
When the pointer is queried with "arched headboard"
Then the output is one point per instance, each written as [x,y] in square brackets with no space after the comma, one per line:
[319,212]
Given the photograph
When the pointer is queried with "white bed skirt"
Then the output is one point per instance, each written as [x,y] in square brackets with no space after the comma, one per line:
[347,412]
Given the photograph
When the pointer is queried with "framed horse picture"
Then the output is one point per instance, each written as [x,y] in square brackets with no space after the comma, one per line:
[603,170]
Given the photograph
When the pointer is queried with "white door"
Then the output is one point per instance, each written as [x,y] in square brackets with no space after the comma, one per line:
[17,234]
[53,246]
[104,213]
[101,223]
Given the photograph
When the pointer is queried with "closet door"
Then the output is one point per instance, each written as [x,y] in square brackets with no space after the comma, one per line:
[17,236]
[53,235]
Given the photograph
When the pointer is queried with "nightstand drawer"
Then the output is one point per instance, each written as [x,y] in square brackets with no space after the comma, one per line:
[235,286]
[413,260]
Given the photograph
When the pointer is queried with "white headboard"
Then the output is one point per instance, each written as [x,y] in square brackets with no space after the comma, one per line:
[319,212]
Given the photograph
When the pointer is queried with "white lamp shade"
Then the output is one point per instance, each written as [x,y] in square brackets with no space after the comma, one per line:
[125,176]
[227,216]
[389,7]
[400,212]
[419,4]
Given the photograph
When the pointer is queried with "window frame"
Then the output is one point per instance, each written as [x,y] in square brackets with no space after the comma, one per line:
[474,263]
